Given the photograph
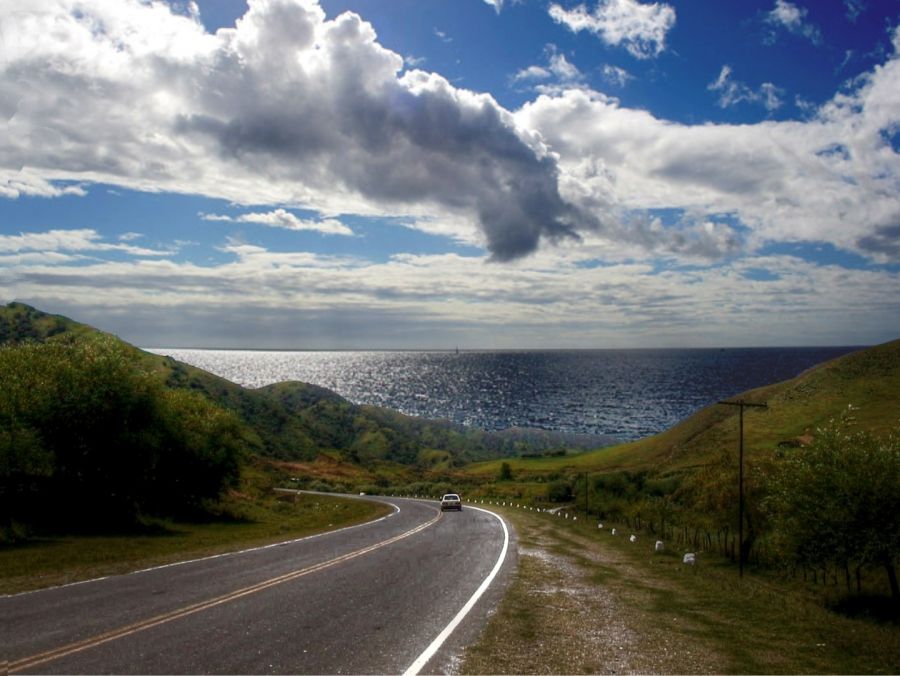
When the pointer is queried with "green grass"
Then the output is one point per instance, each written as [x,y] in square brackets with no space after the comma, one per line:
[50,561]
[660,616]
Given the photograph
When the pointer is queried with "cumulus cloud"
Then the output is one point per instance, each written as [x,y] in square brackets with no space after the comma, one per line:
[640,28]
[792,18]
[286,108]
[281,218]
[732,92]
[293,110]
[833,178]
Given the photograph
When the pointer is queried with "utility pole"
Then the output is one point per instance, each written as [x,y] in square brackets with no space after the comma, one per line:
[741,404]
[587,510]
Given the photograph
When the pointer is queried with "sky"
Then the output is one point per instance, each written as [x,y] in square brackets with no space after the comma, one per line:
[426,174]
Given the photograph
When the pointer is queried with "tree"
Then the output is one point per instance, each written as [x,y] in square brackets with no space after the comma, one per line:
[90,437]
[838,501]
[712,495]
[505,472]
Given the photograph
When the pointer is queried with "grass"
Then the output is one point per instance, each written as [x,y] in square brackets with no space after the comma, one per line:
[51,561]
[585,601]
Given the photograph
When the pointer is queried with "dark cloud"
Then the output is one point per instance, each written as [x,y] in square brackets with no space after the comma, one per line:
[885,241]
[397,142]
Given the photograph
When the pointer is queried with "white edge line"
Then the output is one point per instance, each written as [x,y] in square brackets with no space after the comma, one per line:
[222,555]
[422,659]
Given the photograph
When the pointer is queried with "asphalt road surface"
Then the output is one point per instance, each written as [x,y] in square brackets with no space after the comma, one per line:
[384,597]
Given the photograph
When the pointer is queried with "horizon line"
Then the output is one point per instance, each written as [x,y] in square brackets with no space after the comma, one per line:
[461,350]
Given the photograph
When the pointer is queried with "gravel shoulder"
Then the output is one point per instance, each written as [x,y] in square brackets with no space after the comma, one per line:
[573,609]
[585,601]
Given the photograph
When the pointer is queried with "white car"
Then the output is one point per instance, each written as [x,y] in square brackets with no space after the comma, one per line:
[451,501]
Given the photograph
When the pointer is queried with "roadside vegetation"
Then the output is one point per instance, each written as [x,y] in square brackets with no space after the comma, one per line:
[251,517]
[586,601]
[92,440]
[821,481]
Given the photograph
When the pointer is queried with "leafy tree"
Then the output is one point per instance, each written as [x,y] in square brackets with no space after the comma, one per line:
[90,436]
[505,472]
[713,496]
[838,501]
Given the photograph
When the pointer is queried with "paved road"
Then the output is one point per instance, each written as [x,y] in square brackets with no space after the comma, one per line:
[367,599]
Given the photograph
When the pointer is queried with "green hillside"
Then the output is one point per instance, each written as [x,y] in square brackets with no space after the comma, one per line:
[20,322]
[868,380]
[286,421]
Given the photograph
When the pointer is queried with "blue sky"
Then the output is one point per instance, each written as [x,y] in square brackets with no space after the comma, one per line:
[432,173]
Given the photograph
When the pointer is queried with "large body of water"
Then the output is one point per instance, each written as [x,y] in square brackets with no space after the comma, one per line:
[626,394]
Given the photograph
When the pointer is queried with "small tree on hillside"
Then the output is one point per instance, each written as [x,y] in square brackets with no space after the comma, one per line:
[837,502]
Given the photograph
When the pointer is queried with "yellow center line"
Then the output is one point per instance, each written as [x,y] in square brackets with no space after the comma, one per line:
[121,632]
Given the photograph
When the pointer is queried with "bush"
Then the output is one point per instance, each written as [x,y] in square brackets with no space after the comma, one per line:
[559,491]
[320,487]
[837,502]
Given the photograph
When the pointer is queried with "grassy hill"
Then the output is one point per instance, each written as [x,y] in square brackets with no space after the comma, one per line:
[868,380]
[294,421]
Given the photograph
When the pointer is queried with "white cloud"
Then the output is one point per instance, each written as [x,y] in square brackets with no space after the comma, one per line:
[616,76]
[287,108]
[555,298]
[413,61]
[20,182]
[563,69]
[280,218]
[793,19]
[82,240]
[532,73]
[640,28]
[834,178]
[558,68]
[496,4]
[292,110]
[732,92]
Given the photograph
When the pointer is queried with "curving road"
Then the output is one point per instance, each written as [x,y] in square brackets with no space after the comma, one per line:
[382,597]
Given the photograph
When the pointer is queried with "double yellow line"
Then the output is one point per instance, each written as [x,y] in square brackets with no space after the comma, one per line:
[121,632]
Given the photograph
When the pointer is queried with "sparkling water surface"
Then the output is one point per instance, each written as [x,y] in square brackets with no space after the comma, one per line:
[627,394]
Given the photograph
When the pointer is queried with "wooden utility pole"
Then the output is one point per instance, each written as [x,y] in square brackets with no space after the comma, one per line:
[741,404]
[587,510]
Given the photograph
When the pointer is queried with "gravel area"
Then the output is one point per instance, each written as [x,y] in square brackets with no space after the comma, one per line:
[575,606]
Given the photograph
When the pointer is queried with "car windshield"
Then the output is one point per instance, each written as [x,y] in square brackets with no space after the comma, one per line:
[451,497]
